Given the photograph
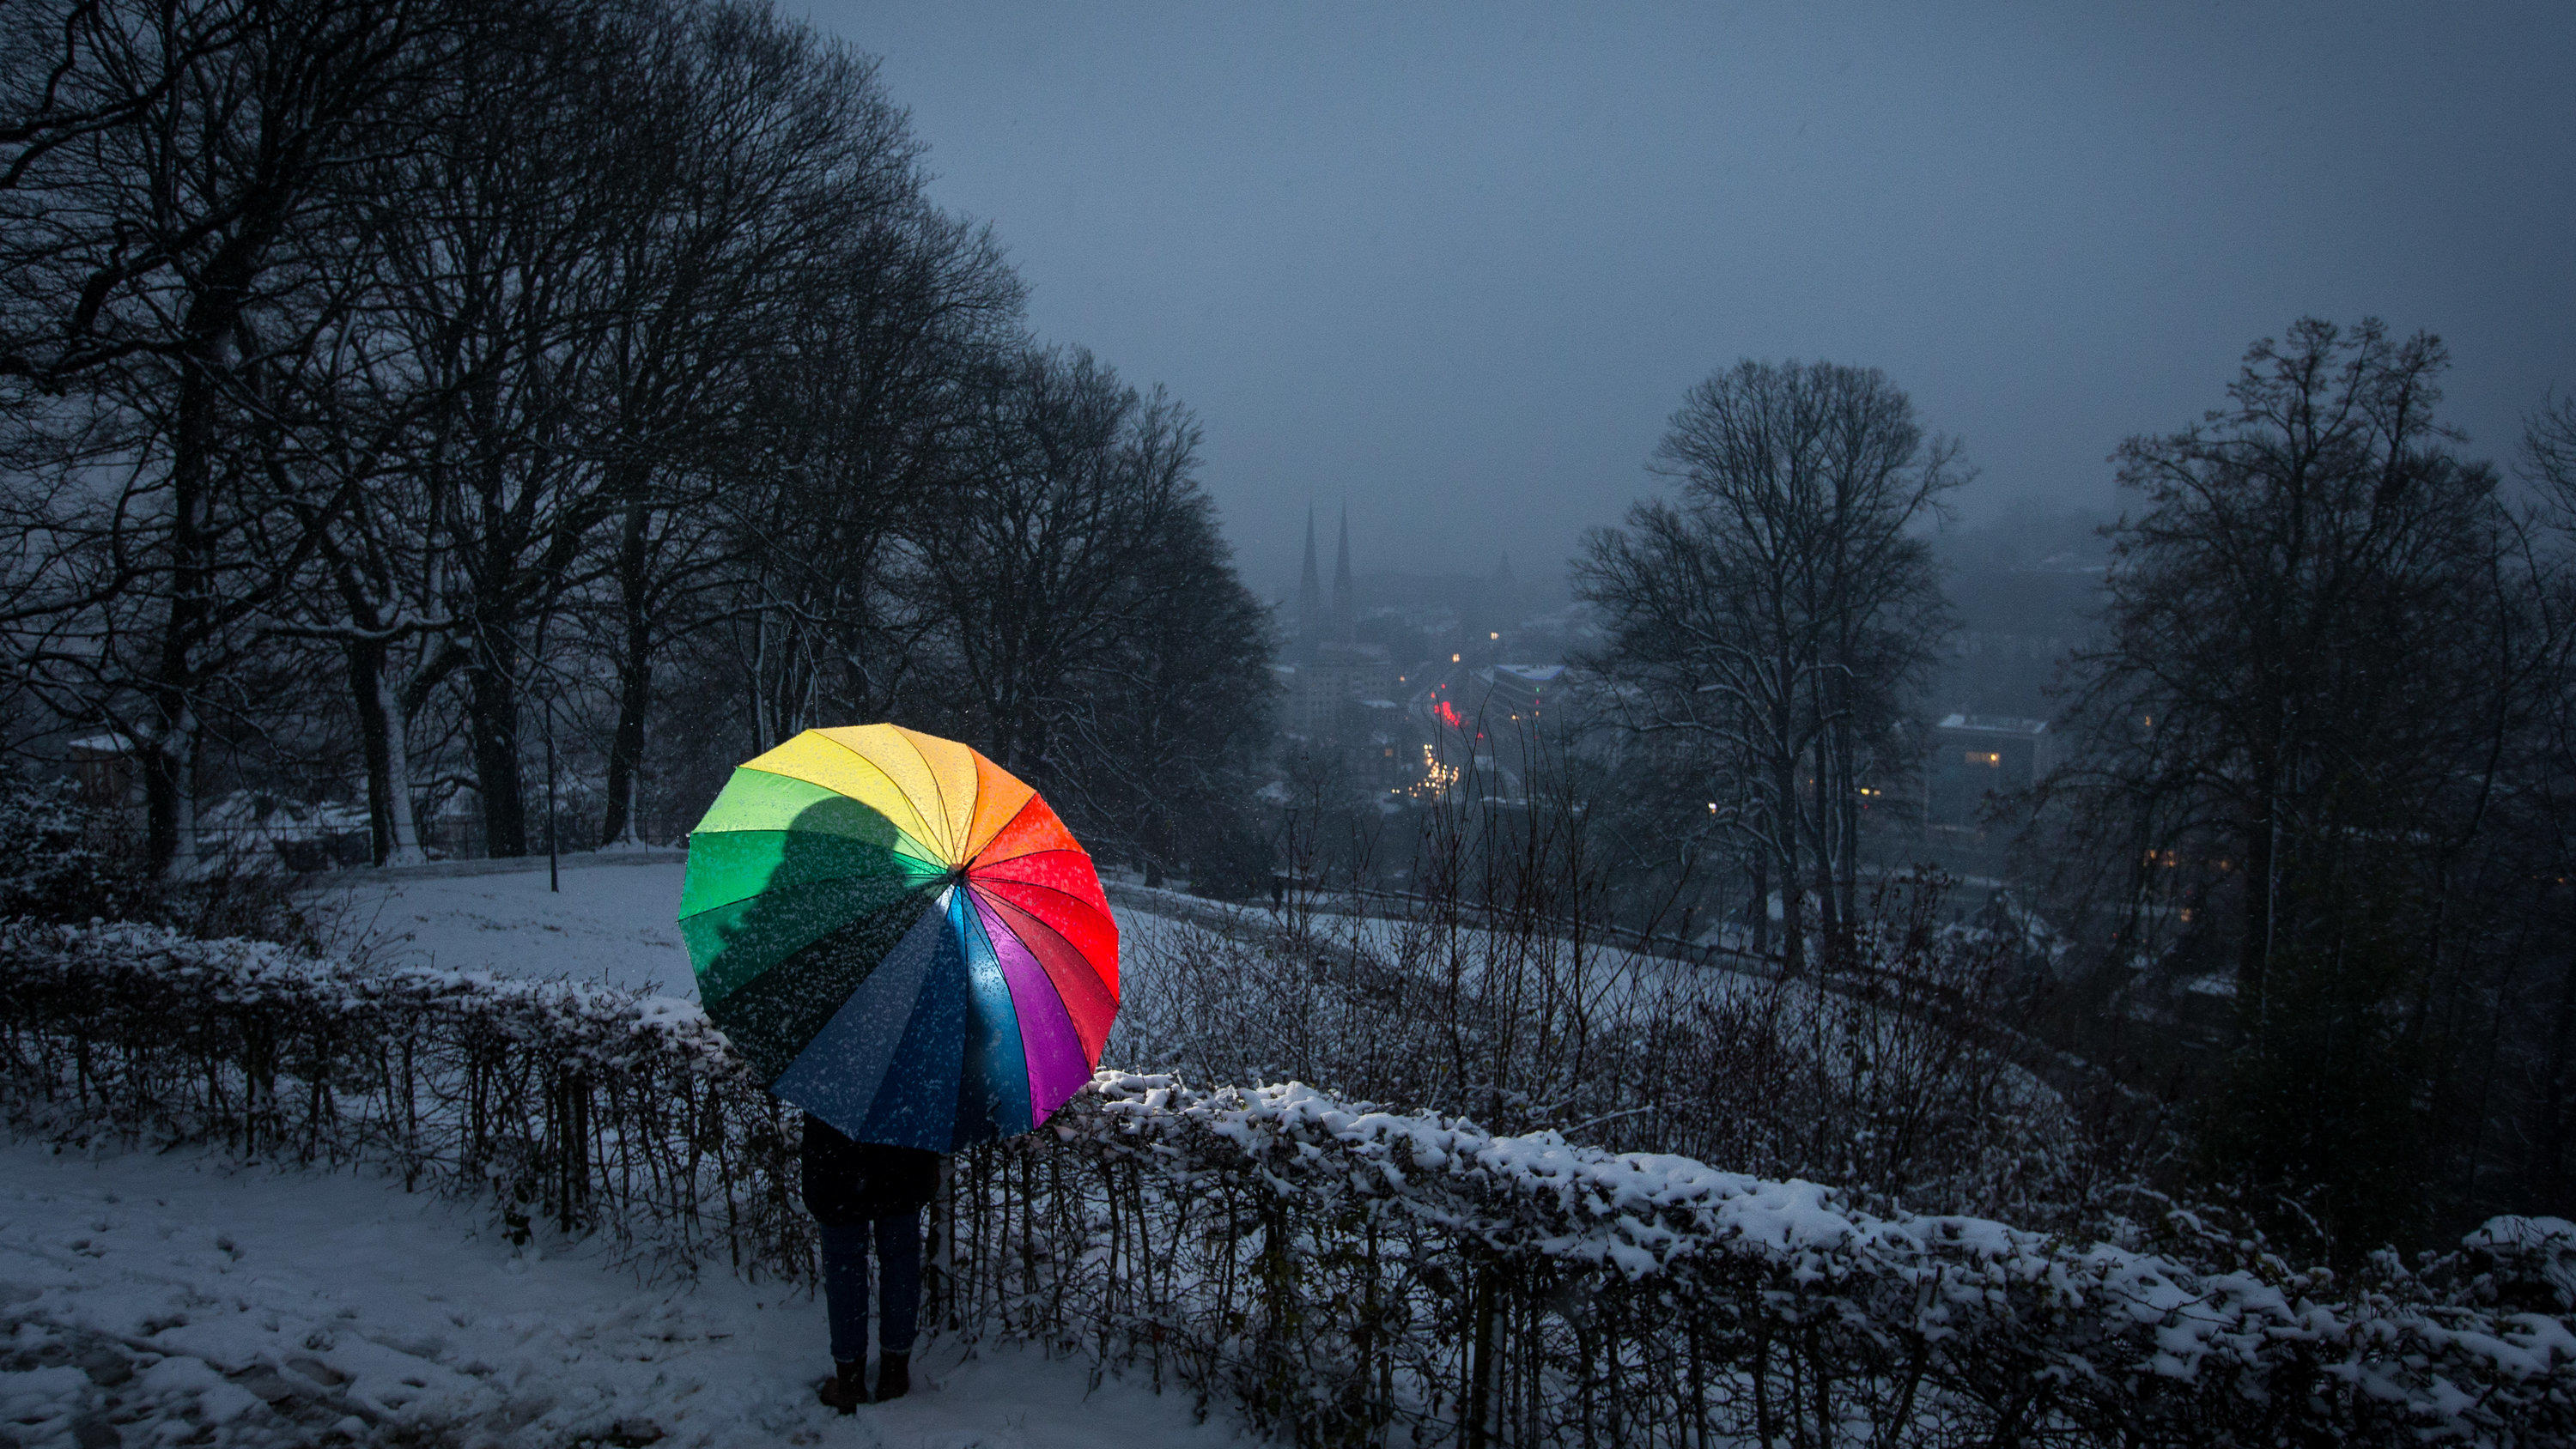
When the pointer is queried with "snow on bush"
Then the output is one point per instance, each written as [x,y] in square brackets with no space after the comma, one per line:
[1352,1273]
[577,1105]
[67,858]
[59,857]
[1349,1275]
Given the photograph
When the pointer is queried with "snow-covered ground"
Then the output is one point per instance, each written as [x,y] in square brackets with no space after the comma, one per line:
[153,1299]
[615,923]
[145,1299]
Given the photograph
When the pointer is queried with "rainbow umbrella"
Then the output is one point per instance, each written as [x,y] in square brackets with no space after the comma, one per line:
[900,937]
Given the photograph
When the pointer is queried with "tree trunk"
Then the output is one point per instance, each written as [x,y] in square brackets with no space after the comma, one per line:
[382,731]
[1793,886]
[1847,818]
[1821,818]
[626,752]
[492,718]
[2254,932]
[634,681]
[365,659]
[1761,904]
[170,794]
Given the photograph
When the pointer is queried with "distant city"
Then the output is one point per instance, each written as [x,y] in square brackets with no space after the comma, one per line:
[1396,684]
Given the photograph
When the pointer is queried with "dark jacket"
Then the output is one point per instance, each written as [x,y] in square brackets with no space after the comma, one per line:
[857,1182]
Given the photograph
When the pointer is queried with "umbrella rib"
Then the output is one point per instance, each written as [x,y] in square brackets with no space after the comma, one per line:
[1042,1014]
[1043,924]
[1034,802]
[862,756]
[958,821]
[988,774]
[986,882]
[956,847]
[1001,870]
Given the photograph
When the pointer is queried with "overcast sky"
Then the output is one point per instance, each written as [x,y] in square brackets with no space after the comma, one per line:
[1456,265]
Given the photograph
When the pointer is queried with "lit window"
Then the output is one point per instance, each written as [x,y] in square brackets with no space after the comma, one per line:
[1984,757]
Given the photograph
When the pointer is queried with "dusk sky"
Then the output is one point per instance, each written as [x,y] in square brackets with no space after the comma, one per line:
[1456,265]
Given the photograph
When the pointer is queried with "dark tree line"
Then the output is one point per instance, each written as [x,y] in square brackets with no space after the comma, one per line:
[2317,767]
[2323,761]
[426,392]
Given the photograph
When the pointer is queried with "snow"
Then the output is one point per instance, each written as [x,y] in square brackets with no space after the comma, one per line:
[145,1298]
[153,1298]
[612,923]
[161,1295]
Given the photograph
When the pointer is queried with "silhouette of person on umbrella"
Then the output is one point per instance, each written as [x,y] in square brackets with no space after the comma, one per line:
[862,1193]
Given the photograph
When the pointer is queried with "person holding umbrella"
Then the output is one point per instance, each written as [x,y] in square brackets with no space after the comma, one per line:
[859,1193]
[901,939]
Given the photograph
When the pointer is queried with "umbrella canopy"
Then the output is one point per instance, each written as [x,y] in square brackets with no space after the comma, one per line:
[900,937]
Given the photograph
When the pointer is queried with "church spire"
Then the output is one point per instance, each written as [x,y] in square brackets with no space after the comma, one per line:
[1345,607]
[1310,590]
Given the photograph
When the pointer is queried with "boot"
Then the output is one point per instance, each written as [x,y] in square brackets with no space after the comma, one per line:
[847,1388]
[894,1376]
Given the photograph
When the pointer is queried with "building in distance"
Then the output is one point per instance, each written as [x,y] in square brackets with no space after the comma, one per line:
[1975,756]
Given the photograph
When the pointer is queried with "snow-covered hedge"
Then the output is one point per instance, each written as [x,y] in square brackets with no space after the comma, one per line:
[1346,1275]
[1360,1275]
[583,1107]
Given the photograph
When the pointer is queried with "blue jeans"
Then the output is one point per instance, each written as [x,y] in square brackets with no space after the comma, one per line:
[845,1283]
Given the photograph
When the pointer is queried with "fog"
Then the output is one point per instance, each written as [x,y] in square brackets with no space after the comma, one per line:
[1455,265]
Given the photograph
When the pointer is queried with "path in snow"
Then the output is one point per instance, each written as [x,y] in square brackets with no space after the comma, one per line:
[145,1299]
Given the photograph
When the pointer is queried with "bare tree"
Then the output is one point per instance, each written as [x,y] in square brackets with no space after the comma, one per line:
[775,161]
[2521,1154]
[1078,592]
[1779,608]
[202,234]
[2320,641]
[1045,564]
[869,426]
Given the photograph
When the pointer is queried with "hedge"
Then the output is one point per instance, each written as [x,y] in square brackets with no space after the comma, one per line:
[1335,1273]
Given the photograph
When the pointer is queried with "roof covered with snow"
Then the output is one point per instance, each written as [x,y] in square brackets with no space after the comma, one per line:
[1995,724]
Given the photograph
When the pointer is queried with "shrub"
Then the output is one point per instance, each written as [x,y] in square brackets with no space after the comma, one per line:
[1347,1275]
[62,858]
